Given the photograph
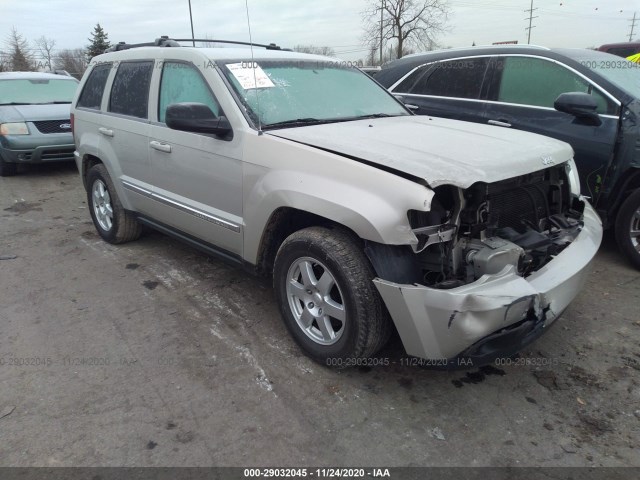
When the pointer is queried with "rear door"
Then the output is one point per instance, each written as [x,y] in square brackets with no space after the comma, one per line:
[124,131]
[449,89]
[521,94]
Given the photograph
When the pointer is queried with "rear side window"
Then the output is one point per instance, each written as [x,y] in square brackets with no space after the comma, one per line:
[461,78]
[182,82]
[130,91]
[91,96]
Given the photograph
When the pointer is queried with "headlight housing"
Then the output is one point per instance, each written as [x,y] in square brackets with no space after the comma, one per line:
[16,128]
[574,179]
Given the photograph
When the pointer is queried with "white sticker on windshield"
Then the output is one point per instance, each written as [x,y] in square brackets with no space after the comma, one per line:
[248,77]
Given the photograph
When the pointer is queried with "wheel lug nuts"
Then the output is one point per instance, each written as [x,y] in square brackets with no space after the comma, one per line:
[310,305]
[309,292]
[320,312]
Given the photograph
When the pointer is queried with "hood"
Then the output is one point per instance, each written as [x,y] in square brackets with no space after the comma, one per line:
[440,151]
[30,113]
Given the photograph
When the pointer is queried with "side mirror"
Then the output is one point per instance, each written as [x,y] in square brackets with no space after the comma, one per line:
[196,118]
[581,105]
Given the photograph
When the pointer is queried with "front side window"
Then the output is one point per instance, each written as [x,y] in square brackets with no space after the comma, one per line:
[91,96]
[281,93]
[538,82]
[37,91]
[461,78]
[130,91]
[182,82]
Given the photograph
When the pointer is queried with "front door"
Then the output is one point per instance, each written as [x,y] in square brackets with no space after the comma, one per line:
[522,93]
[197,178]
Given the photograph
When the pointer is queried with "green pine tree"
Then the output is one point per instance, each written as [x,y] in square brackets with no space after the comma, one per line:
[19,56]
[99,42]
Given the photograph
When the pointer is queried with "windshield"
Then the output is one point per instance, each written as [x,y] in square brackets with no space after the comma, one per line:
[619,71]
[36,91]
[306,92]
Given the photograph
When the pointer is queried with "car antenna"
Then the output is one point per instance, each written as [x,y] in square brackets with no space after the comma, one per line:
[253,66]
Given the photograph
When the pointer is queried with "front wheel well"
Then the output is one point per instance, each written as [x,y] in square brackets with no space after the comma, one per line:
[283,222]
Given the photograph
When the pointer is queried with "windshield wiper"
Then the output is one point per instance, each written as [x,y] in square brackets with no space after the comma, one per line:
[377,115]
[297,122]
[16,103]
[316,121]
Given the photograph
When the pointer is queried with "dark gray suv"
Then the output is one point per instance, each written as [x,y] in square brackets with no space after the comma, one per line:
[35,124]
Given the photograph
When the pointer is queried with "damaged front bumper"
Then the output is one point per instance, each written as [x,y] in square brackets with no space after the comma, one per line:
[497,314]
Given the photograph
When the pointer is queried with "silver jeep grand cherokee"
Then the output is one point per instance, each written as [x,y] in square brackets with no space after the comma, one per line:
[471,240]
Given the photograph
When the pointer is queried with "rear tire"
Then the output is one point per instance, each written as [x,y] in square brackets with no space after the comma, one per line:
[7,169]
[628,228]
[324,287]
[113,223]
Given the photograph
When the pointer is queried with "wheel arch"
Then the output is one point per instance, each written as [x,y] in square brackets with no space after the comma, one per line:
[283,222]
[88,161]
[630,184]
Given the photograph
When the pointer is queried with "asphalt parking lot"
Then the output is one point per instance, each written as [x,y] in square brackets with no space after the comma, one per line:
[152,354]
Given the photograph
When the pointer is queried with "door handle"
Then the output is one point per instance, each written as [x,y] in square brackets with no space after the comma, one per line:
[500,123]
[106,132]
[161,147]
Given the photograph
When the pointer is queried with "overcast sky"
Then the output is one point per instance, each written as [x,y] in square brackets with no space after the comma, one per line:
[335,23]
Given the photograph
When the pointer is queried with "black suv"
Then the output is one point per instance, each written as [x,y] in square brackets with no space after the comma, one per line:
[587,98]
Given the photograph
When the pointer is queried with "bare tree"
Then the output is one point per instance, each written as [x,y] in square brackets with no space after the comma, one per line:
[73,61]
[4,61]
[20,57]
[415,23]
[206,44]
[45,47]
[326,51]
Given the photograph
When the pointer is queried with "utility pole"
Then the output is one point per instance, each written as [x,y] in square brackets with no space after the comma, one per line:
[633,26]
[531,17]
[193,38]
[381,20]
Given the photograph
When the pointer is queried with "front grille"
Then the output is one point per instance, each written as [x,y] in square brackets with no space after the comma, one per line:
[53,126]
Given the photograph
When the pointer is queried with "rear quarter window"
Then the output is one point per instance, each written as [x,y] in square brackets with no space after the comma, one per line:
[91,96]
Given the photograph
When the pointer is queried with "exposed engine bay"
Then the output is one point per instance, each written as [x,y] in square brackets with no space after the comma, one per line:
[523,222]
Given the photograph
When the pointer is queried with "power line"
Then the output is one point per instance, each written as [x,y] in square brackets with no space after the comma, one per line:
[556,12]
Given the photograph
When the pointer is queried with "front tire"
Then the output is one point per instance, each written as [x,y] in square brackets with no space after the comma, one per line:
[324,287]
[113,223]
[628,228]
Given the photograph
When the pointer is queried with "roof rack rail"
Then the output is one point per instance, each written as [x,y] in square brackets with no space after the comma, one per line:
[271,46]
[165,41]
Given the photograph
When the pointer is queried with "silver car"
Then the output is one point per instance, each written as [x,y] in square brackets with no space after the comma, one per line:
[34,119]
[469,240]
